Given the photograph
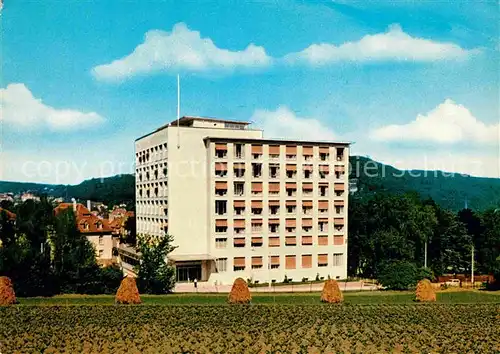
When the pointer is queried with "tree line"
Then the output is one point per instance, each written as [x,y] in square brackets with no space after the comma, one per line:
[45,254]
[388,231]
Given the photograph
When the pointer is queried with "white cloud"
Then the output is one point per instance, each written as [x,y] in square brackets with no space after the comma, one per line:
[283,123]
[180,50]
[393,45]
[475,164]
[448,123]
[18,107]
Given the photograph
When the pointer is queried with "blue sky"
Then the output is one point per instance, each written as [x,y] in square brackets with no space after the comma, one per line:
[415,85]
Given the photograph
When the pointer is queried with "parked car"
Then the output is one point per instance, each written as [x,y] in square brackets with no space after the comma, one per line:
[453,282]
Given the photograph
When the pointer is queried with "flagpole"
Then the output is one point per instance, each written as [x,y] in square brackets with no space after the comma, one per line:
[178,111]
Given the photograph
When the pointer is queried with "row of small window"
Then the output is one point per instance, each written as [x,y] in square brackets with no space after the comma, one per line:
[274,262]
[153,153]
[152,210]
[157,191]
[221,170]
[274,207]
[274,226]
[258,241]
[221,188]
[257,152]
[157,173]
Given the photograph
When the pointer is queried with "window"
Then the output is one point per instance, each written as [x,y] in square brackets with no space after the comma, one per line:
[323,226]
[274,228]
[238,263]
[257,151]
[257,170]
[256,225]
[339,227]
[323,191]
[239,188]
[239,170]
[101,240]
[339,193]
[274,188]
[290,262]
[220,150]
[239,242]
[220,188]
[339,209]
[257,241]
[238,151]
[307,207]
[322,260]
[220,229]
[220,242]
[274,171]
[101,253]
[256,188]
[307,261]
[256,210]
[291,152]
[256,262]
[323,206]
[221,264]
[220,207]
[291,171]
[290,209]
[340,154]
[274,208]
[221,169]
[274,151]
[275,262]
[307,174]
[324,153]
[338,259]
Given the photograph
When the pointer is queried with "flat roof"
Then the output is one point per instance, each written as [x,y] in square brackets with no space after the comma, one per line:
[277,141]
[187,120]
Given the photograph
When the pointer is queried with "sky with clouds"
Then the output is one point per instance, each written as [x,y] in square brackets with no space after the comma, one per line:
[412,84]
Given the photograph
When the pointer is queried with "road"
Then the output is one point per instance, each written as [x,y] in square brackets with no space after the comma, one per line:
[204,287]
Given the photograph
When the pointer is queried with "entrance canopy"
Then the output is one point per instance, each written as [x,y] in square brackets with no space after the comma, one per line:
[190,257]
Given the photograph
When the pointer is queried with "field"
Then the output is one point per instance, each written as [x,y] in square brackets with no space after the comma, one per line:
[378,322]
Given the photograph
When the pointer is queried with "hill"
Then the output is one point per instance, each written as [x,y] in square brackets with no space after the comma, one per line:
[450,191]
[110,190]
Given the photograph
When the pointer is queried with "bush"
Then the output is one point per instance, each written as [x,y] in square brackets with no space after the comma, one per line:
[399,275]
[240,294]
[111,278]
[7,295]
[331,292]
[127,292]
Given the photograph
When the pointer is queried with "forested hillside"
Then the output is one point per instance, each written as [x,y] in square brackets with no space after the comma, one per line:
[449,191]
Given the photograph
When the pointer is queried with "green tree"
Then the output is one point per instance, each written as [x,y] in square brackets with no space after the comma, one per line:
[488,244]
[155,275]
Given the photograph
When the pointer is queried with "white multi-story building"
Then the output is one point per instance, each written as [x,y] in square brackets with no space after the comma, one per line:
[239,205]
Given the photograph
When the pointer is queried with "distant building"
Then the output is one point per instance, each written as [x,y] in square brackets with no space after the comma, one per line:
[8,197]
[29,196]
[97,230]
[240,205]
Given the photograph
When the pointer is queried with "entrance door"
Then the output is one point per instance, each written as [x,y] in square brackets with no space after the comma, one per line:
[188,272]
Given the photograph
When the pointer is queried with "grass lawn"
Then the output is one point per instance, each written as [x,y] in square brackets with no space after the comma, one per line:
[361,298]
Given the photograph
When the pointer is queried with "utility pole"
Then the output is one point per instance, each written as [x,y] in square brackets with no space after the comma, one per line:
[472,266]
[425,254]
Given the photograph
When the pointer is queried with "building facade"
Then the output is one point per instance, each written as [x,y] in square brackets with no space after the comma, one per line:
[239,205]
[97,231]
